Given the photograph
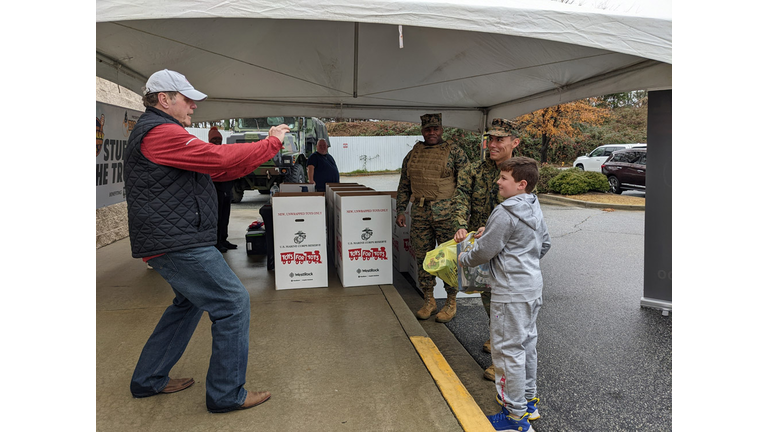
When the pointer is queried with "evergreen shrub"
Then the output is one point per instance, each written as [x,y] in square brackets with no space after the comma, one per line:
[597,181]
[574,181]
[546,173]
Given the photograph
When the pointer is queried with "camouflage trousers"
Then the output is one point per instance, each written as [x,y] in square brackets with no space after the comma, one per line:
[485,296]
[427,233]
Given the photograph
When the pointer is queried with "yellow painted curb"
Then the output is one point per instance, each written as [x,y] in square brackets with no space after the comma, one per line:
[464,407]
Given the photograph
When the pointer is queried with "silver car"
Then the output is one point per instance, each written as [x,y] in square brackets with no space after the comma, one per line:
[595,159]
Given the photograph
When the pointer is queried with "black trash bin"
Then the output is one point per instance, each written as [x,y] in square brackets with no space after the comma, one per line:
[266,216]
[256,241]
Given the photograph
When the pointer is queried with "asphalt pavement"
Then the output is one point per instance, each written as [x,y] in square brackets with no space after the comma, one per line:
[605,363]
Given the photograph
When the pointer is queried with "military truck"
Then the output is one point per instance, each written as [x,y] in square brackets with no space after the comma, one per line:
[290,164]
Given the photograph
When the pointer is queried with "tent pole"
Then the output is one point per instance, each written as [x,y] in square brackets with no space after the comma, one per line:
[657,280]
[354,82]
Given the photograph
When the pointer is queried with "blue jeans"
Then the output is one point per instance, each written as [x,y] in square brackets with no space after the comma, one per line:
[202,281]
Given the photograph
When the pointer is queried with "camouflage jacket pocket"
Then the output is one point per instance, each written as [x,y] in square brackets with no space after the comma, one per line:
[441,210]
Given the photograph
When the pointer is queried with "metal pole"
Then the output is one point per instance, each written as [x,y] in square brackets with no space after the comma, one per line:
[657,289]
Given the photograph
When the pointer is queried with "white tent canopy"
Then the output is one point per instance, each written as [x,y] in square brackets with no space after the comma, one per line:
[472,61]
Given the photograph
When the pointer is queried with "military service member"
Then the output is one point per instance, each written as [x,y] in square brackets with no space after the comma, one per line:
[428,180]
[477,193]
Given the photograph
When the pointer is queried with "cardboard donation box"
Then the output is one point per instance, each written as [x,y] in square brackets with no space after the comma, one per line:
[330,193]
[399,263]
[363,238]
[401,254]
[332,188]
[400,238]
[301,258]
[329,187]
[329,203]
[297,187]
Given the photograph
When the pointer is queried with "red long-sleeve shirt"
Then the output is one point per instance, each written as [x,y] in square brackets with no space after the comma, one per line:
[171,145]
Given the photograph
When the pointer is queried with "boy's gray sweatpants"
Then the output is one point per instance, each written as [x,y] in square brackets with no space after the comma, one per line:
[513,349]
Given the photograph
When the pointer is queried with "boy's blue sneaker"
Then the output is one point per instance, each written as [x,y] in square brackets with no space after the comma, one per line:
[504,421]
[533,409]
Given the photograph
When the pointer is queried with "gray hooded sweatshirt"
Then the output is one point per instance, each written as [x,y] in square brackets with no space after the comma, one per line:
[514,240]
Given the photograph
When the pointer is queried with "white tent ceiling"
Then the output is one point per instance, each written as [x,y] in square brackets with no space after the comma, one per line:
[471,61]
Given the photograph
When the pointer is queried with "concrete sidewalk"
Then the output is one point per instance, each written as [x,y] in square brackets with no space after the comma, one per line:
[334,358]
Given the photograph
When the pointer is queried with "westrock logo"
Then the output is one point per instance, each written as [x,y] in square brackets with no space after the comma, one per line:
[292,274]
[371,270]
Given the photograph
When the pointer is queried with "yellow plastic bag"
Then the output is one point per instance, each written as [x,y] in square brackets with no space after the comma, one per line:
[441,262]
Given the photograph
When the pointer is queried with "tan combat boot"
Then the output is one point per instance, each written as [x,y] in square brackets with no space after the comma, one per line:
[487,346]
[429,307]
[449,310]
[490,373]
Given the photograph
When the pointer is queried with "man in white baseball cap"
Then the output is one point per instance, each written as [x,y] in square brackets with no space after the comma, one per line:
[161,91]
[172,224]
[168,80]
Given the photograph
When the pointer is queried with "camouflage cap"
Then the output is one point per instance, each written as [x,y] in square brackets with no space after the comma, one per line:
[502,127]
[429,120]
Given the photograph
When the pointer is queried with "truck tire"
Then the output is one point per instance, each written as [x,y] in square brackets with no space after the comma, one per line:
[296,174]
[237,194]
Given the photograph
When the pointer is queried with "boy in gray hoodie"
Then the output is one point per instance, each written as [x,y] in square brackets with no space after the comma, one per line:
[514,239]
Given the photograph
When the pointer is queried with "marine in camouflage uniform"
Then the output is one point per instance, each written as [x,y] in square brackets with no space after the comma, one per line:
[428,181]
[477,193]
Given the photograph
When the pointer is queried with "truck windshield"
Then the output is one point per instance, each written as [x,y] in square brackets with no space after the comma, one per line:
[264,123]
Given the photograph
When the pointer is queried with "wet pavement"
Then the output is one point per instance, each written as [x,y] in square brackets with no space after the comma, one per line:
[605,363]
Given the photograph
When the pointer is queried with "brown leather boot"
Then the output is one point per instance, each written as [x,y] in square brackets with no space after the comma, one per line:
[254,398]
[177,384]
[449,310]
[429,307]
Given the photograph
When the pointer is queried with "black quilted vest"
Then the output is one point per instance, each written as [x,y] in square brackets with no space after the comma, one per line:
[169,209]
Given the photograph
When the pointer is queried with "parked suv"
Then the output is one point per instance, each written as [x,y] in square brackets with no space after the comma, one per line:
[593,160]
[625,169]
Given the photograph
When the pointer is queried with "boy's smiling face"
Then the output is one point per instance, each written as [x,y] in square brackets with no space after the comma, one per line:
[508,186]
